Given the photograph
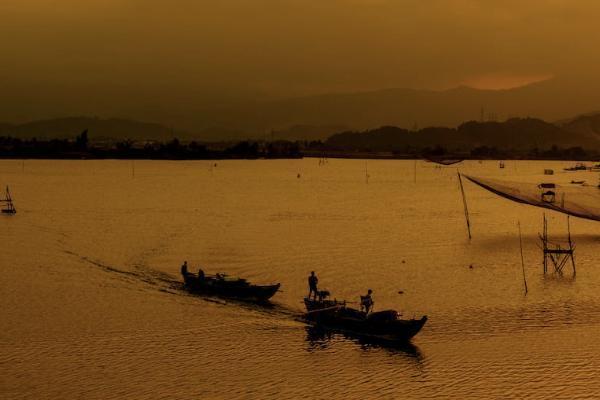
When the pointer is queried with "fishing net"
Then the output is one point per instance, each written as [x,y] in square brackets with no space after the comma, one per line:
[578,201]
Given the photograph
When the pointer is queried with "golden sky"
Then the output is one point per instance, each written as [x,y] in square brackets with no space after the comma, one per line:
[294,47]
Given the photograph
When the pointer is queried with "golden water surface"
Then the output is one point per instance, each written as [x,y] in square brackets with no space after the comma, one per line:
[92,306]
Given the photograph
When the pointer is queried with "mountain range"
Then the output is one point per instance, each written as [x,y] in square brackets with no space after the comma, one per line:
[521,134]
[515,133]
[318,117]
[550,100]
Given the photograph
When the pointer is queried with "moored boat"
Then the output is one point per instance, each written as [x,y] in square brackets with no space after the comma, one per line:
[577,167]
[225,286]
[382,325]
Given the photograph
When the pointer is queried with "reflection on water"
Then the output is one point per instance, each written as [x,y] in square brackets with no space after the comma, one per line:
[93,305]
[321,339]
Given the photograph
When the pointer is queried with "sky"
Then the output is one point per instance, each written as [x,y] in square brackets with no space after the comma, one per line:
[256,49]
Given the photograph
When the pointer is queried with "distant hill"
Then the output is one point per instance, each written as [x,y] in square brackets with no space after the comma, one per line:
[515,133]
[309,117]
[99,129]
[407,108]
[585,125]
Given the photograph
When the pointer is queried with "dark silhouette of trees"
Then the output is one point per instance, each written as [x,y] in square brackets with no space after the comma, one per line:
[485,152]
[79,147]
[81,141]
[514,137]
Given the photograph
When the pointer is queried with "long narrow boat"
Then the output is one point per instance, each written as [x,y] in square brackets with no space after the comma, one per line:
[224,286]
[577,167]
[383,325]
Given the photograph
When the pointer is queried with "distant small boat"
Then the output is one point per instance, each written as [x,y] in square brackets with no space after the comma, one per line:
[548,172]
[444,161]
[501,164]
[9,207]
[225,286]
[385,326]
[577,167]
[577,182]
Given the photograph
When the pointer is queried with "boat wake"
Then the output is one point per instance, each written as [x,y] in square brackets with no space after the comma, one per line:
[167,283]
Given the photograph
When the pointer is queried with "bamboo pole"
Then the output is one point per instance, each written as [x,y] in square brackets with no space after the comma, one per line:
[522,260]
[415,170]
[462,190]
[545,242]
[571,245]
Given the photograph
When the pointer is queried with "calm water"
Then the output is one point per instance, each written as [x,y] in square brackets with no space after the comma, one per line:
[92,308]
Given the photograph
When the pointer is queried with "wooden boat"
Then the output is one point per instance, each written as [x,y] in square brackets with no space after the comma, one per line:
[444,161]
[577,167]
[385,325]
[225,286]
[9,207]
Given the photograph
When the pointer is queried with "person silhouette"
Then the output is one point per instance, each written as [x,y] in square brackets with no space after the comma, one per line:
[312,285]
[184,269]
[367,301]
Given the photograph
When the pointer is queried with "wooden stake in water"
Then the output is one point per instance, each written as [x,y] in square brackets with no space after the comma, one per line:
[366,172]
[415,169]
[462,190]
[571,248]
[522,260]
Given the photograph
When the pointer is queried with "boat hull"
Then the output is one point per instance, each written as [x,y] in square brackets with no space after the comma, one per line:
[237,289]
[357,323]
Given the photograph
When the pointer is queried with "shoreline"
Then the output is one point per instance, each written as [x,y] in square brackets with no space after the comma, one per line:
[323,154]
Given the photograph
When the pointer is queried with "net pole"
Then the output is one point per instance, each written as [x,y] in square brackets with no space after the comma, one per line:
[415,171]
[464,198]
[522,259]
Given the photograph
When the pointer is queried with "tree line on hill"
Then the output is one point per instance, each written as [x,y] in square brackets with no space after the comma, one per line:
[514,138]
[80,147]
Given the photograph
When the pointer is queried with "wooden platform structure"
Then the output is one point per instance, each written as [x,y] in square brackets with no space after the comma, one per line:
[557,253]
[9,207]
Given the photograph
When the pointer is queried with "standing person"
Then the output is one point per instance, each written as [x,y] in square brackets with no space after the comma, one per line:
[367,301]
[312,284]
[184,269]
